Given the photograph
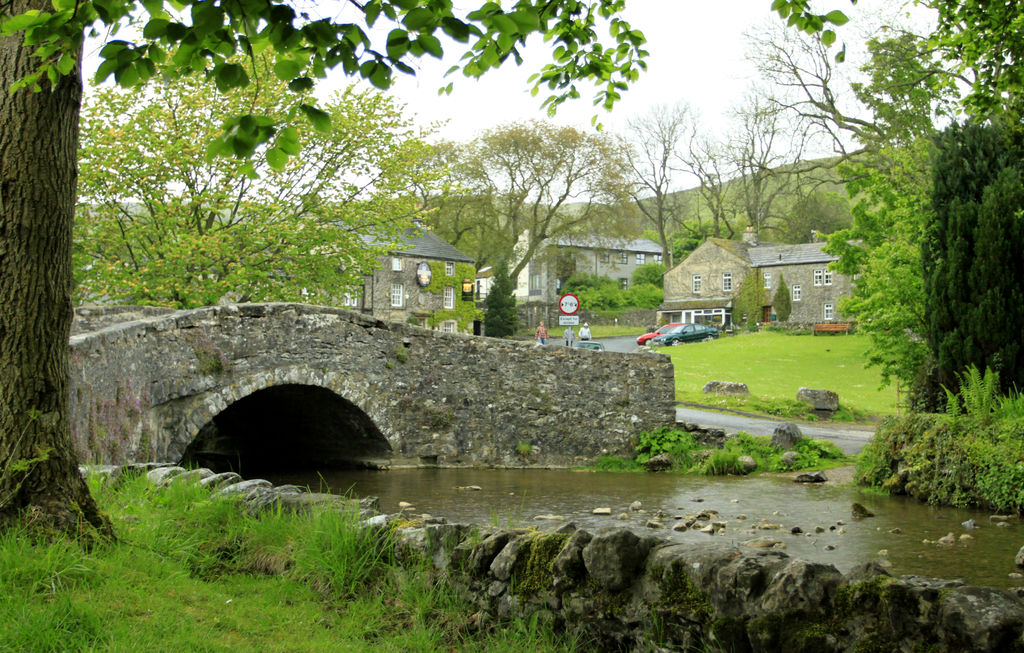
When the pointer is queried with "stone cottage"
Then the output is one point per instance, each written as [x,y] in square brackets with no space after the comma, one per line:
[703,286]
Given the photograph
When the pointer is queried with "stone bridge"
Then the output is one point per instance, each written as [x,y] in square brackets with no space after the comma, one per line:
[263,387]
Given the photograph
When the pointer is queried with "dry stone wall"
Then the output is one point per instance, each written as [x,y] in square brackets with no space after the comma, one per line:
[142,390]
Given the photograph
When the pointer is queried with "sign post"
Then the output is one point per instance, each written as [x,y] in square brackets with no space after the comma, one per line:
[568,306]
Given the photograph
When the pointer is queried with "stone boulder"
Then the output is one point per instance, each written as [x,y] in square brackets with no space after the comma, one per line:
[819,399]
[1019,560]
[614,556]
[747,464]
[811,477]
[728,388]
[786,436]
[789,459]
[658,463]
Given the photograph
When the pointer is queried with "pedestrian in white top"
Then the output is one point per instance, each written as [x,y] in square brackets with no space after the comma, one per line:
[585,331]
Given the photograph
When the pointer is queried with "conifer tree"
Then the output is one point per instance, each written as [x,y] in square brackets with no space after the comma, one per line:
[971,253]
[783,302]
[501,317]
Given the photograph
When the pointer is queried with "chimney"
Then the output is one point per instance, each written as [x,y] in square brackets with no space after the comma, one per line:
[814,236]
[750,236]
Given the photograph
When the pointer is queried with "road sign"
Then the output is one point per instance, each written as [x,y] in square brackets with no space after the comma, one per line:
[568,320]
[568,304]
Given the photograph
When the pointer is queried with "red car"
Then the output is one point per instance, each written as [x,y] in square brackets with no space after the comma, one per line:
[642,340]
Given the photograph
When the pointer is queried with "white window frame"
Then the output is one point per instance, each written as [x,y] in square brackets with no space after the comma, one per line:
[449,268]
[449,297]
[767,279]
[623,257]
[797,292]
[657,258]
[727,281]
[604,256]
[396,263]
[828,277]
[449,326]
[641,258]
[695,283]
[819,276]
[397,295]
[828,312]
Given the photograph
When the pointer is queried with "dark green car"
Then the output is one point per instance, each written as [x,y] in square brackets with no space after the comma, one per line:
[685,333]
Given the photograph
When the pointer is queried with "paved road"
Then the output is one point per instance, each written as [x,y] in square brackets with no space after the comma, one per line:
[851,438]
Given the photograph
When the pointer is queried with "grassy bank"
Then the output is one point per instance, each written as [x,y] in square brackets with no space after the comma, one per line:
[775,365]
[191,574]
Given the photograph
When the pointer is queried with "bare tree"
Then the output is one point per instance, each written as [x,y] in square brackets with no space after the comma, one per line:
[655,141]
[709,163]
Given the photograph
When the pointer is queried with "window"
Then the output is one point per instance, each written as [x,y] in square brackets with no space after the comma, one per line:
[828,277]
[828,312]
[397,295]
[696,283]
[348,300]
[767,279]
[604,257]
[819,276]
[449,268]
[641,258]
[623,257]
[449,297]
[796,293]
[657,258]
[448,326]
[535,282]
[623,283]
[396,264]
[727,281]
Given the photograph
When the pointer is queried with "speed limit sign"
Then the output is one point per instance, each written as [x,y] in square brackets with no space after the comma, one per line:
[568,304]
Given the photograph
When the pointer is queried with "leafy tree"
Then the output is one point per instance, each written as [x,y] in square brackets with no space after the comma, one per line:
[649,273]
[816,213]
[783,302]
[40,50]
[501,317]
[161,224]
[973,273]
[528,183]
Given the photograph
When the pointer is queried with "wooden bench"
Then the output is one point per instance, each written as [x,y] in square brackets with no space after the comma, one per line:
[831,327]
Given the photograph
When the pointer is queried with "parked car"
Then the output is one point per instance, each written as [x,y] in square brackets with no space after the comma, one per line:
[647,337]
[590,344]
[685,333]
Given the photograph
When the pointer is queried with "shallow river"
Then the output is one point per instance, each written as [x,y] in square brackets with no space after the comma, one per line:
[517,497]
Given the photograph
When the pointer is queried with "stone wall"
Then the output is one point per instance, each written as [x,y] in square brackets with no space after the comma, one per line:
[620,591]
[143,390]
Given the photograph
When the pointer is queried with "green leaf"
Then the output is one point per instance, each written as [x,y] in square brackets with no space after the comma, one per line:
[836,17]
[229,76]
[155,28]
[320,120]
[417,18]
[828,37]
[277,158]
[398,43]
[431,45]
[23,21]
[300,84]
[287,69]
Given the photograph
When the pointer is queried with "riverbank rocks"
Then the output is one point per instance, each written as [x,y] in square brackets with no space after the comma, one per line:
[824,402]
[786,436]
[658,463]
[1019,560]
[811,477]
[727,388]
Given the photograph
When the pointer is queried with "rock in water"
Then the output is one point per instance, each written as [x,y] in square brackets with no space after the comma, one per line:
[811,477]
[860,512]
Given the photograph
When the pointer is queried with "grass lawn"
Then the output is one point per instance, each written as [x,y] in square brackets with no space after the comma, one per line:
[774,366]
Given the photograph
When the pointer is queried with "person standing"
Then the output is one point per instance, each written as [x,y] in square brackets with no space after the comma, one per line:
[569,336]
[542,333]
[585,331]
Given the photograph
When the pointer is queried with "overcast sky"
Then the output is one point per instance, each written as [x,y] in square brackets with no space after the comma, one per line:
[697,55]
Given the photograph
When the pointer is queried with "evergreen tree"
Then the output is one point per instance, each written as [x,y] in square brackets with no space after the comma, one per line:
[501,317]
[783,302]
[971,255]
[749,300]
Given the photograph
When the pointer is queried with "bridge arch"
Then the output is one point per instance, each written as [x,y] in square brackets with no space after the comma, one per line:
[290,426]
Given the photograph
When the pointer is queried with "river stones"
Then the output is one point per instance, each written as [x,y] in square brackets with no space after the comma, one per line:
[860,512]
[786,436]
[1019,560]
[614,556]
[811,477]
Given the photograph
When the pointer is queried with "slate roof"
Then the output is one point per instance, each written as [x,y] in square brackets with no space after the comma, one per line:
[767,255]
[417,241]
[596,242]
[697,303]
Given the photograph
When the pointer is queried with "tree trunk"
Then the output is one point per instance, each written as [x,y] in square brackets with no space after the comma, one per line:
[38,173]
